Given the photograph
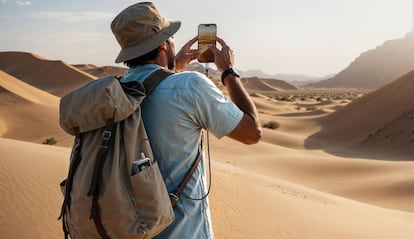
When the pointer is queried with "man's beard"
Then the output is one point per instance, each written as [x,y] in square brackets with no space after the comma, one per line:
[171,63]
[171,57]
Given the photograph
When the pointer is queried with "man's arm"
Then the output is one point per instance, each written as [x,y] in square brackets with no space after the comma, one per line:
[249,130]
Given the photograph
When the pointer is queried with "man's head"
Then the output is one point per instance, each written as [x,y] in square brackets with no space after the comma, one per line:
[140,29]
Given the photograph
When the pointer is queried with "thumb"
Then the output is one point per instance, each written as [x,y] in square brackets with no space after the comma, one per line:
[218,59]
[213,49]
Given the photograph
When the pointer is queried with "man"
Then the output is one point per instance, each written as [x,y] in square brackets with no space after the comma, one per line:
[181,106]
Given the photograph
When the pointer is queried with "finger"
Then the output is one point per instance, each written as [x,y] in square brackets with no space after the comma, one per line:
[214,49]
[191,42]
[222,42]
[193,53]
[193,56]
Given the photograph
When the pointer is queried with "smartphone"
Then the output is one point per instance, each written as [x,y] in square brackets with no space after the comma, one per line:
[207,35]
[140,165]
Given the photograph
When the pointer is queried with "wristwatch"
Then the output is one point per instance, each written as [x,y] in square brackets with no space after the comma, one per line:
[229,71]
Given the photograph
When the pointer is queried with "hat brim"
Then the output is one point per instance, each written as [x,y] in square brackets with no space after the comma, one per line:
[149,44]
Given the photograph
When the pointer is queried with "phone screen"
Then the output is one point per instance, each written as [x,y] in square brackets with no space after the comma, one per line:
[206,37]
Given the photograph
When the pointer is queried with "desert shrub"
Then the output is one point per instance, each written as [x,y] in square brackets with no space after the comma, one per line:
[281,98]
[50,141]
[271,125]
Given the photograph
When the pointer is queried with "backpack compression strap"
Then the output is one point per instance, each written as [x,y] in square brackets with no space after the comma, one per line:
[94,189]
[75,160]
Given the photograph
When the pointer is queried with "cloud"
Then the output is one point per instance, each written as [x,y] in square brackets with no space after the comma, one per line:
[3,1]
[21,3]
[73,16]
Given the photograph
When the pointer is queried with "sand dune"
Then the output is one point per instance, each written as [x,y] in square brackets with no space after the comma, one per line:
[374,118]
[27,113]
[256,206]
[246,202]
[29,192]
[24,90]
[27,121]
[278,188]
[102,71]
[283,155]
[55,77]
[254,84]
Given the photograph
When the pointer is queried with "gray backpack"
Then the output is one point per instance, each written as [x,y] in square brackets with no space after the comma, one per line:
[114,187]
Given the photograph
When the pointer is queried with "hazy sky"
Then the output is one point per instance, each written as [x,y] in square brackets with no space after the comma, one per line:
[314,37]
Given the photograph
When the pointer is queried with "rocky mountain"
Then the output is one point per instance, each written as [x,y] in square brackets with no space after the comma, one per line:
[285,77]
[376,67]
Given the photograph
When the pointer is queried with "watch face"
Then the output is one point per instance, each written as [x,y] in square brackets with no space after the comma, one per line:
[233,71]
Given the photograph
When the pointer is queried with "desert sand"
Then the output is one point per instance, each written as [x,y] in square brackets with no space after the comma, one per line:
[300,181]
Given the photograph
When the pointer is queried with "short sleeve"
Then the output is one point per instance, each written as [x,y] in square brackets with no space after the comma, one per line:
[214,111]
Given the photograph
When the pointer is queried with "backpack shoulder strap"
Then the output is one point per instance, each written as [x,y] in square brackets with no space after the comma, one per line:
[155,78]
[175,195]
[150,83]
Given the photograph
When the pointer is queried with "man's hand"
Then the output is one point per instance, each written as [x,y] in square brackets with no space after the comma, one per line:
[186,55]
[224,58]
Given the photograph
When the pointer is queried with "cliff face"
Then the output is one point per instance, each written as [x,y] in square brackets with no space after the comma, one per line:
[377,67]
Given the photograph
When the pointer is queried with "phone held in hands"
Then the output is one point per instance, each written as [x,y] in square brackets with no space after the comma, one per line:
[207,35]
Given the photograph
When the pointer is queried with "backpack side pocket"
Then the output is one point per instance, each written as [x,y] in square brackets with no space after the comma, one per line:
[152,205]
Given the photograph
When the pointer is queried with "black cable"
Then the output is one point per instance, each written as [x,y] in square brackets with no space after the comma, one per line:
[209,161]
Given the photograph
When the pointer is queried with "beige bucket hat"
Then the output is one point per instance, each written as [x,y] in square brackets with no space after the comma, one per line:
[140,29]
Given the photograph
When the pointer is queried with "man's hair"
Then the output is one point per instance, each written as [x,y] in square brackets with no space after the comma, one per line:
[143,60]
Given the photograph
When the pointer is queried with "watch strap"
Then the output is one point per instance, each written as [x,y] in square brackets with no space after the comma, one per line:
[229,71]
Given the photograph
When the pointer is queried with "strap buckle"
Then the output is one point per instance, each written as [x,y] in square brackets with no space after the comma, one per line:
[174,198]
[106,135]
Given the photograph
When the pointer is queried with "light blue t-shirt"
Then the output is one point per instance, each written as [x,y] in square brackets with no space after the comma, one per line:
[174,115]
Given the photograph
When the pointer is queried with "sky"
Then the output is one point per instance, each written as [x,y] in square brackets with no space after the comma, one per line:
[312,37]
